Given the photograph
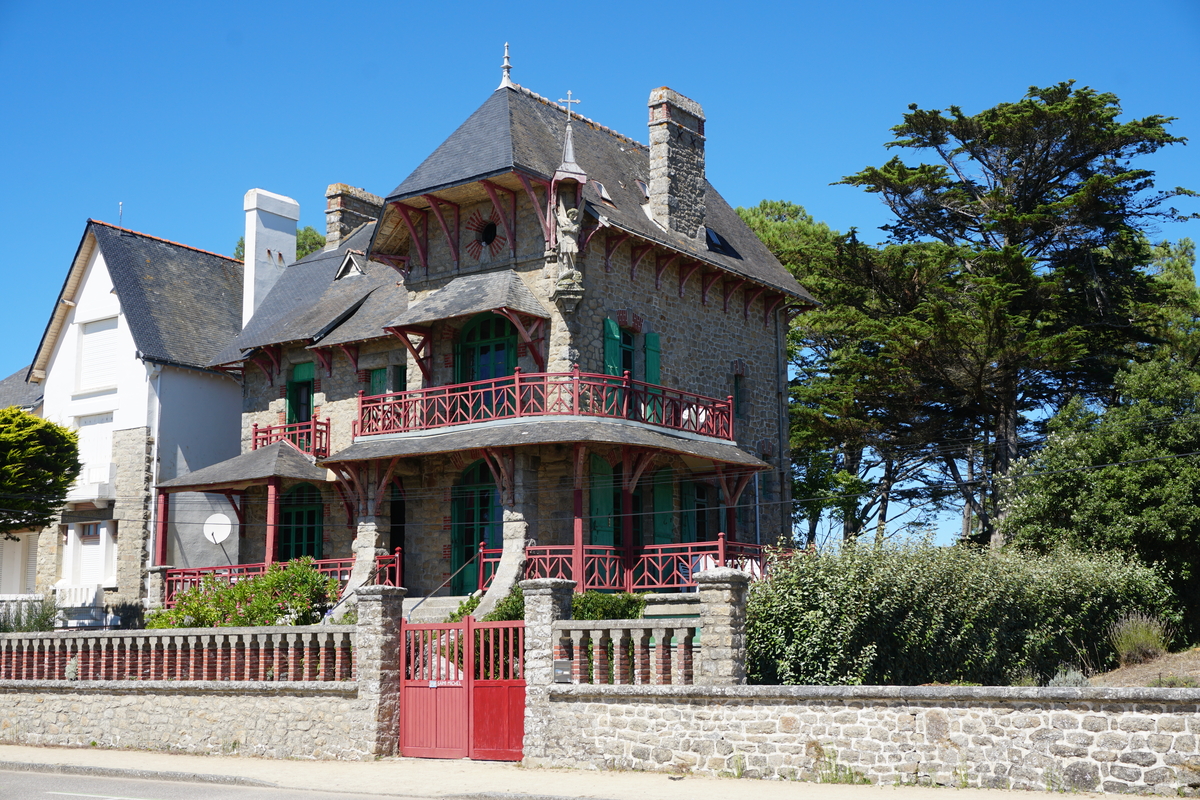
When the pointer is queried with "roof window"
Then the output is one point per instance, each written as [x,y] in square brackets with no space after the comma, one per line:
[719,244]
[604,195]
[641,184]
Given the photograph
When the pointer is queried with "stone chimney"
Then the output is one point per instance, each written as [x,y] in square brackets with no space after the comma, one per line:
[347,207]
[676,162]
[270,244]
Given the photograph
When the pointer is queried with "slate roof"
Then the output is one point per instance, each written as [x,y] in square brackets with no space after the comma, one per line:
[516,129]
[15,391]
[276,460]
[474,294]
[181,304]
[544,430]
[308,302]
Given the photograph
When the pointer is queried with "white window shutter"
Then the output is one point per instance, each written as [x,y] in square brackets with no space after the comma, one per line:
[31,542]
[98,354]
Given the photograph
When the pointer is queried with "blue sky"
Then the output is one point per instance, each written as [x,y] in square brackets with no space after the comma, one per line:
[176,110]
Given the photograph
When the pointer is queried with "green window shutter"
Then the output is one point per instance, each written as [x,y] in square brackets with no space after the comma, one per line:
[653,370]
[687,506]
[303,372]
[299,393]
[612,347]
[601,502]
[379,381]
[460,365]
[400,377]
[664,506]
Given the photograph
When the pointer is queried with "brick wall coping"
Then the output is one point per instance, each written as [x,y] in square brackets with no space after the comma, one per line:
[933,694]
[157,633]
[347,688]
[626,624]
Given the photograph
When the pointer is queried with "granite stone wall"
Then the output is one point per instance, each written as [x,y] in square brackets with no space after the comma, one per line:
[1112,740]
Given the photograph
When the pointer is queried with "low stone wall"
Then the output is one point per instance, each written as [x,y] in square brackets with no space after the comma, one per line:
[284,719]
[1114,740]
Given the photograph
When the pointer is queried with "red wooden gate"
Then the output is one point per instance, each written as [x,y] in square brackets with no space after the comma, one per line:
[462,690]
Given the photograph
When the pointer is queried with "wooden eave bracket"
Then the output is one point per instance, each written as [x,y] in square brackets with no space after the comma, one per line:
[383,483]
[706,283]
[502,463]
[635,462]
[611,243]
[770,304]
[543,214]
[237,504]
[661,266]
[435,205]
[636,254]
[730,287]
[732,484]
[266,370]
[346,503]
[349,483]
[398,263]
[686,271]
[351,351]
[531,335]
[421,239]
[421,351]
[510,225]
[748,298]
[325,356]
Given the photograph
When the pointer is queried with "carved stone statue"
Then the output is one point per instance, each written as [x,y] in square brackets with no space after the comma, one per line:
[568,244]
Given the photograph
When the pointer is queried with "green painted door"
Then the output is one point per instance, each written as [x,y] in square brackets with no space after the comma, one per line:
[301,518]
[476,516]
[601,520]
[300,393]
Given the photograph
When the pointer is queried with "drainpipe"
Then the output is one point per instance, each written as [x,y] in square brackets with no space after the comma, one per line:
[757,510]
[153,421]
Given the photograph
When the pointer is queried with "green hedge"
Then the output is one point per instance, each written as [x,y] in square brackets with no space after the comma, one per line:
[294,593]
[915,614]
[588,605]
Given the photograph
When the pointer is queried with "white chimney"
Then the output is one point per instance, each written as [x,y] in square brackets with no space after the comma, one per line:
[270,245]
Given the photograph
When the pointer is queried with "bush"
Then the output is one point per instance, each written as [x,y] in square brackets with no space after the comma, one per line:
[26,617]
[914,614]
[588,605]
[465,608]
[1069,676]
[1137,638]
[286,594]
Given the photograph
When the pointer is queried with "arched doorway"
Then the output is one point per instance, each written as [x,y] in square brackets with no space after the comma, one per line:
[301,518]
[476,516]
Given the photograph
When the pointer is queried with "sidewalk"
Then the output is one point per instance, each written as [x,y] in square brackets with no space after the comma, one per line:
[438,778]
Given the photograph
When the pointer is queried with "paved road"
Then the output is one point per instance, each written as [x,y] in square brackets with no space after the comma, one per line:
[41,786]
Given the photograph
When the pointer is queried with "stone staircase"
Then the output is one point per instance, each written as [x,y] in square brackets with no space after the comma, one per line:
[433,609]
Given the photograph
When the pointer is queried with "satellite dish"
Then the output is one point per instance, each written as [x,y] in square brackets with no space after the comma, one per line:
[217,528]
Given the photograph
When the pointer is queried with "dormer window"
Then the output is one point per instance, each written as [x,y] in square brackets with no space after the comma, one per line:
[718,244]
[604,195]
[643,188]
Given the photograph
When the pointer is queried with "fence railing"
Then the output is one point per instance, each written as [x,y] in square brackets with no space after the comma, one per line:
[544,394]
[653,567]
[300,653]
[389,572]
[312,437]
[630,651]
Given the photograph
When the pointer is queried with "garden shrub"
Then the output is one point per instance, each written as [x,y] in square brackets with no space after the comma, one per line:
[913,613]
[27,617]
[294,593]
[1138,637]
[588,605]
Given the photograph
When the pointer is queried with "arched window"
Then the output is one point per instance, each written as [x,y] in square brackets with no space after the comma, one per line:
[487,349]
[301,521]
[476,516]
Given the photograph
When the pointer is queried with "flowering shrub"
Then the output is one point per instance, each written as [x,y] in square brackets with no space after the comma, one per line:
[294,593]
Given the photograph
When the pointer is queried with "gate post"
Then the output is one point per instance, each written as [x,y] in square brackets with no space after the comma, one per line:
[547,600]
[377,639]
[723,635]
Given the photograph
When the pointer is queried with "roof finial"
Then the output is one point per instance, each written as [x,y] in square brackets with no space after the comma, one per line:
[506,68]
[568,160]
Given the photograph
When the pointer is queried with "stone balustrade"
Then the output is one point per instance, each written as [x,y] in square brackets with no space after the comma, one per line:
[285,653]
[631,651]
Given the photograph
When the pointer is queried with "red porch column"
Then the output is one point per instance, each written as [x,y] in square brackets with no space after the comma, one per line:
[578,560]
[160,533]
[627,532]
[272,519]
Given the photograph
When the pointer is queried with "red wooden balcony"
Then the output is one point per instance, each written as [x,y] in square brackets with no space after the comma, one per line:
[312,437]
[389,572]
[541,394]
[655,568]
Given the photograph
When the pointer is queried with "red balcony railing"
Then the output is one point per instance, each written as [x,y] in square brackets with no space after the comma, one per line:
[655,567]
[389,572]
[312,437]
[542,394]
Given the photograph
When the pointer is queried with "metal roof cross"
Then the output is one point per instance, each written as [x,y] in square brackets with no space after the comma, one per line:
[568,101]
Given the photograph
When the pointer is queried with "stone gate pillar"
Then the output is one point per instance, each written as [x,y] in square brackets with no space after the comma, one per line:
[723,637]
[377,639]
[547,600]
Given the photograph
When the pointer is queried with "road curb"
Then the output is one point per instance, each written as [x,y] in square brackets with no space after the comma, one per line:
[144,774]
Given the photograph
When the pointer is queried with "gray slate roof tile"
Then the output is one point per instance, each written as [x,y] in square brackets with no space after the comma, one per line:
[474,294]
[15,391]
[276,460]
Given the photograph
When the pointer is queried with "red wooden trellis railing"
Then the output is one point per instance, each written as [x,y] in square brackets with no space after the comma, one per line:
[654,567]
[544,394]
[311,437]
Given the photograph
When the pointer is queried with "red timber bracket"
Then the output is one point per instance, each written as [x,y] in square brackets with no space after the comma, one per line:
[351,352]
[731,286]
[635,461]
[385,478]
[435,205]
[611,243]
[686,271]
[661,265]
[530,331]
[351,488]
[266,370]
[636,254]
[234,372]
[543,214]
[398,263]
[422,351]
[585,237]
[706,283]
[732,486]
[325,356]
[770,304]
[417,222]
[502,462]
[509,219]
[748,298]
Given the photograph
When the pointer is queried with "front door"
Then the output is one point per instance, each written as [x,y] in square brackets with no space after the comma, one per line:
[476,516]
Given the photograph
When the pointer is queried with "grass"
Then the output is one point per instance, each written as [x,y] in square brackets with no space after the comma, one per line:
[1138,637]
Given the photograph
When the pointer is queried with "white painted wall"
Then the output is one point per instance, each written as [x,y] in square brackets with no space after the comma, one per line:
[18,563]
[270,244]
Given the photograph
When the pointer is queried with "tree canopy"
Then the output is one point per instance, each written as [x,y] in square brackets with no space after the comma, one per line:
[39,461]
[308,241]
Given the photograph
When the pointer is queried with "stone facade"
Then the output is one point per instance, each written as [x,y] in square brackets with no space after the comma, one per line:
[1113,740]
[677,162]
[132,454]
